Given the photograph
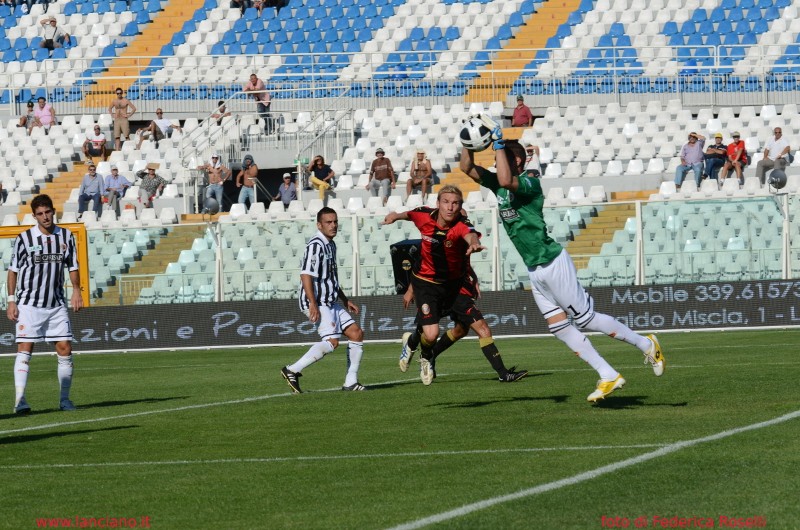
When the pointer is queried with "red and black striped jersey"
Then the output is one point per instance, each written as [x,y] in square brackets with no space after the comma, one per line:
[443,253]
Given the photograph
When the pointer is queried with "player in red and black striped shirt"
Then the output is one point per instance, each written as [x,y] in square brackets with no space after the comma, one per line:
[441,272]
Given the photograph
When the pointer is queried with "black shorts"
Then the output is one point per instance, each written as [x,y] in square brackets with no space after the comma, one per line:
[464,311]
[434,300]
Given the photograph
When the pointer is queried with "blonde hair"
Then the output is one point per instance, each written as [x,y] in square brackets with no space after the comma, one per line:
[449,188]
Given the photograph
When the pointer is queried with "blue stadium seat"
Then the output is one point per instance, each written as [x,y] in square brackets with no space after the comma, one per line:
[670,28]
[41,54]
[699,15]
[717,15]
[25,55]
[589,86]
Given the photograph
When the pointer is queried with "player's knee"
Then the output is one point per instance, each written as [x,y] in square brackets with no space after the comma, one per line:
[334,343]
[430,335]
[584,321]
[481,329]
[357,334]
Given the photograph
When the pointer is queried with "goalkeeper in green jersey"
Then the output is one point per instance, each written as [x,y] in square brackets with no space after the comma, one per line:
[564,303]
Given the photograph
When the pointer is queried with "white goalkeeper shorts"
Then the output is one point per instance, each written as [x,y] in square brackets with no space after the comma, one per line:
[332,321]
[43,324]
[556,288]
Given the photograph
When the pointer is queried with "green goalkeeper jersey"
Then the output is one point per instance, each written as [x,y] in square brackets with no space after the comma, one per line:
[521,214]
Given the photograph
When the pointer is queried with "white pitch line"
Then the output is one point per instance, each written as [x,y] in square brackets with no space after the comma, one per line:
[589,475]
[279,459]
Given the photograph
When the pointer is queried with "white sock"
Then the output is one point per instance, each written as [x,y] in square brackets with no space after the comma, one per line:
[577,342]
[617,330]
[354,352]
[65,375]
[21,367]
[314,354]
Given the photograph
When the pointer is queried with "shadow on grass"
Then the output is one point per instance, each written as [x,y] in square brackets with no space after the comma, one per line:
[120,402]
[629,402]
[44,436]
[476,404]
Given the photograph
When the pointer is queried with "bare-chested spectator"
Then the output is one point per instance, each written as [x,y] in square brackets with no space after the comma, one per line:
[218,173]
[28,119]
[121,109]
[421,173]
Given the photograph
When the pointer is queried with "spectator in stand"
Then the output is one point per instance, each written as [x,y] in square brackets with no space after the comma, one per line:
[246,179]
[533,166]
[44,114]
[421,174]
[91,189]
[218,173]
[715,157]
[28,119]
[242,5]
[691,159]
[735,158]
[95,144]
[258,91]
[221,112]
[158,129]
[522,114]
[287,191]
[52,35]
[150,186]
[121,109]
[116,186]
[381,176]
[321,175]
[776,155]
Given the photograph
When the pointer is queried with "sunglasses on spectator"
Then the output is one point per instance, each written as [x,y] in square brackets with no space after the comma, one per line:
[119,92]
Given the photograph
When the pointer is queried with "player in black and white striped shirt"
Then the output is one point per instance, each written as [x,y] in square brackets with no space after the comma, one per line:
[38,304]
[321,300]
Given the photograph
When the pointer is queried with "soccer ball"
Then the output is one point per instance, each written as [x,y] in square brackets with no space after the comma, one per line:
[475,136]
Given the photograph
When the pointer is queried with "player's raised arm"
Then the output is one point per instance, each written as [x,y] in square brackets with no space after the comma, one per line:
[391,217]
[468,166]
[505,176]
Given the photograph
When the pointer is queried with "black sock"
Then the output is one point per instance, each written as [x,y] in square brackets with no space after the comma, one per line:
[444,342]
[492,355]
[427,348]
[413,340]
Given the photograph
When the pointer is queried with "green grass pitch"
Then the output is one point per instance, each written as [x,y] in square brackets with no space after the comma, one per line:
[215,439]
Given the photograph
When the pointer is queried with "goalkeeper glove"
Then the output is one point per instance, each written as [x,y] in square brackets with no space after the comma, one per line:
[497,135]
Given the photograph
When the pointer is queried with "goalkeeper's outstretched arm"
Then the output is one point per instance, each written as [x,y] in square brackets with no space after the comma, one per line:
[468,166]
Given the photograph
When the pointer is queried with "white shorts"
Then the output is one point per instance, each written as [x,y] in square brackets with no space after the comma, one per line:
[332,321]
[43,324]
[556,288]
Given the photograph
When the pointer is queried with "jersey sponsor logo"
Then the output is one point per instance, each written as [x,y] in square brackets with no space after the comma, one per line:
[509,214]
[48,258]
[429,239]
[35,248]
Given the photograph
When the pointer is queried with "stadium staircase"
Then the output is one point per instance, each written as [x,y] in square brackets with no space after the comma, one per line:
[599,230]
[166,251]
[517,52]
[137,55]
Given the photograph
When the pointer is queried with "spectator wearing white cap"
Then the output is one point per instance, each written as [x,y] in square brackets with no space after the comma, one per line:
[116,186]
[421,174]
[52,35]
[217,173]
[95,144]
[287,191]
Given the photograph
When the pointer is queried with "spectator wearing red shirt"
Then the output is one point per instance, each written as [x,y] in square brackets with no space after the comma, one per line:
[737,159]
[522,114]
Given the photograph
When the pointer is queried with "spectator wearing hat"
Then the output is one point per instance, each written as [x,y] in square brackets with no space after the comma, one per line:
[116,186]
[217,173]
[92,187]
[321,175]
[287,191]
[421,174]
[691,159]
[95,144]
[381,176]
[52,35]
[735,158]
[522,116]
[246,180]
[715,157]
[150,186]
[776,155]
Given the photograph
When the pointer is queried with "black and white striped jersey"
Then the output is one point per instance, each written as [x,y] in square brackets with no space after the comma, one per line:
[40,261]
[319,262]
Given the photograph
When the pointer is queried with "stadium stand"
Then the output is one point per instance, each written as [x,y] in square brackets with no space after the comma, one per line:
[615,86]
